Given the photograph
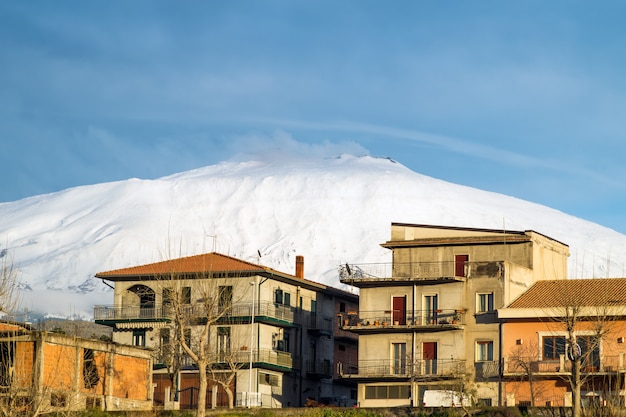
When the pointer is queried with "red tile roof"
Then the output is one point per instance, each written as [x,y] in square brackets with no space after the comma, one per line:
[208,262]
[574,292]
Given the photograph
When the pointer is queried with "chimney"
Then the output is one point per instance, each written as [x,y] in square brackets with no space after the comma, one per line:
[300,266]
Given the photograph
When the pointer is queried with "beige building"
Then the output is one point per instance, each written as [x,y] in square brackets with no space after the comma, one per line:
[283,325]
[428,320]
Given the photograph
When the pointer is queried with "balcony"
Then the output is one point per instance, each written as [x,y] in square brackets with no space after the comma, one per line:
[422,369]
[240,359]
[423,273]
[319,369]
[318,325]
[398,321]
[142,316]
[523,366]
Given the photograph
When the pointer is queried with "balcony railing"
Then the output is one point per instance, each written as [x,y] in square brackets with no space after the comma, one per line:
[531,365]
[321,369]
[319,323]
[364,320]
[426,368]
[240,312]
[109,312]
[418,271]
[241,359]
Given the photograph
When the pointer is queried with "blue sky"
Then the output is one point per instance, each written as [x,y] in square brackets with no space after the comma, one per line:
[524,98]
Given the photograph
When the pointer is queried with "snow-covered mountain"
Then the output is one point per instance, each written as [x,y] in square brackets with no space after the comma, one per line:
[329,210]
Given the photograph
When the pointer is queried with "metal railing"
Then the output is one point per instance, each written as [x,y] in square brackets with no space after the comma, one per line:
[316,321]
[403,368]
[165,312]
[417,271]
[323,368]
[241,358]
[562,365]
[386,318]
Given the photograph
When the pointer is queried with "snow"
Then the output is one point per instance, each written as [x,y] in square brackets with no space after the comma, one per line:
[331,211]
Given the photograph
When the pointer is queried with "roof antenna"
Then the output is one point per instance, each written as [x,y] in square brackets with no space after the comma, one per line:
[259,258]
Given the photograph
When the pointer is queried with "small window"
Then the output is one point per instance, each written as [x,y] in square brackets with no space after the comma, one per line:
[223,342]
[167,297]
[342,348]
[278,296]
[342,307]
[187,335]
[484,302]
[268,379]
[384,392]
[484,351]
[139,338]
[287,299]
[186,295]
[164,337]
[57,399]
[553,347]
[90,371]
[225,301]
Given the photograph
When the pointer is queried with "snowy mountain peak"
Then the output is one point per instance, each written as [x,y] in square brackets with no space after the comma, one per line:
[331,210]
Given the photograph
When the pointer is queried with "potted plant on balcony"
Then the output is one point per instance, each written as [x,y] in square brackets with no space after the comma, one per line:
[456,318]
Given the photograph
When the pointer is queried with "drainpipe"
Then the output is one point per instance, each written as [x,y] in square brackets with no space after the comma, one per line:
[500,366]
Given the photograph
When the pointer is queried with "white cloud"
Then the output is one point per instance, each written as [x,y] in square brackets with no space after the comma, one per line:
[282,145]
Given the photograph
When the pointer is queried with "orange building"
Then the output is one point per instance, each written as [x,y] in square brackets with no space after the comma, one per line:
[556,323]
[52,372]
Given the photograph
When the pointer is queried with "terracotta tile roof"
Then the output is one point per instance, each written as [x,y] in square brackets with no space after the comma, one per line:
[208,262]
[574,292]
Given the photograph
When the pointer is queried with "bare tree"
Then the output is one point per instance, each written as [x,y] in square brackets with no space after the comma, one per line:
[9,297]
[198,305]
[586,323]
[524,359]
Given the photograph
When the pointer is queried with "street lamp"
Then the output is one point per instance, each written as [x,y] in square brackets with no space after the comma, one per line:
[251,341]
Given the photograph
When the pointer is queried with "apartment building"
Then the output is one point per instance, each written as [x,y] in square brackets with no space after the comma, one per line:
[555,323]
[427,320]
[274,331]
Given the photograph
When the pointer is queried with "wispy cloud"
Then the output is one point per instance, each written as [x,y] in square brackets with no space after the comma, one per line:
[452,144]
[281,145]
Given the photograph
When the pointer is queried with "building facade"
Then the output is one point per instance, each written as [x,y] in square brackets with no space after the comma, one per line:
[44,372]
[556,323]
[273,332]
[427,320]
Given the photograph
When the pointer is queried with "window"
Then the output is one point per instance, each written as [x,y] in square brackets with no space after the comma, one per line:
[90,371]
[384,392]
[225,301]
[278,296]
[187,335]
[287,299]
[164,337]
[590,351]
[342,307]
[398,352]
[484,302]
[139,338]
[553,347]
[57,399]
[185,295]
[431,304]
[167,296]
[268,379]
[484,351]
[223,342]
